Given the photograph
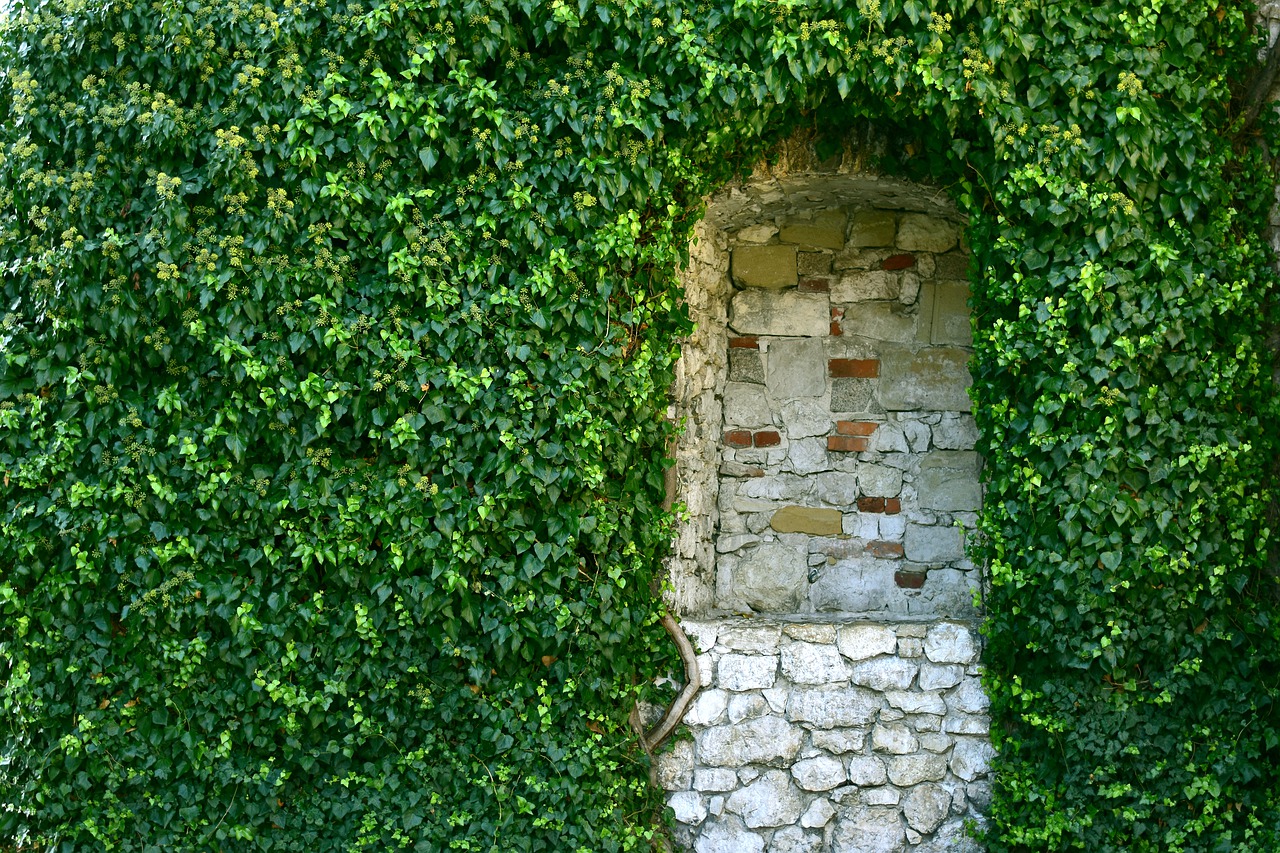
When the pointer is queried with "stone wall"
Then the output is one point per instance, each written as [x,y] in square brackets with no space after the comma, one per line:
[850,738]
[826,471]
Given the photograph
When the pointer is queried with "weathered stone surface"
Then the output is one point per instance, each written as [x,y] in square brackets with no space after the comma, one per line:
[714,779]
[967,724]
[818,815]
[868,829]
[819,774]
[889,438]
[747,672]
[675,767]
[935,741]
[925,807]
[761,233]
[689,806]
[745,365]
[813,263]
[893,738]
[955,432]
[805,418]
[809,663]
[760,741]
[728,836]
[969,698]
[854,395]
[707,708]
[797,368]
[803,519]
[792,839]
[933,543]
[765,266]
[859,585]
[879,481]
[872,229]
[865,286]
[951,325]
[915,702]
[740,636]
[950,643]
[840,741]
[939,676]
[771,800]
[949,481]
[824,231]
[918,232]
[905,770]
[781,487]
[866,771]
[884,674]
[762,312]
[746,706]
[859,642]
[808,455]
[745,405]
[881,321]
[772,577]
[810,633]
[934,379]
[827,707]
[836,488]
[971,758]
[883,796]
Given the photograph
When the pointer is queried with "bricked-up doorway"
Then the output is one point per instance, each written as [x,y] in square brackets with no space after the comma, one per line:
[827,464]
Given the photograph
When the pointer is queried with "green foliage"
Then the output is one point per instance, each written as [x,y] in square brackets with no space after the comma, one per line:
[336,346]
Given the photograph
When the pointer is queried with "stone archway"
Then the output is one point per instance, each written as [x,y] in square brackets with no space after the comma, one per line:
[827,470]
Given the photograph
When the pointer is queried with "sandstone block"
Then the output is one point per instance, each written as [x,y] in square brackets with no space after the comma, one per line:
[918,232]
[761,233]
[764,266]
[801,519]
[866,286]
[935,379]
[824,231]
[951,324]
[872,229]
[761,312]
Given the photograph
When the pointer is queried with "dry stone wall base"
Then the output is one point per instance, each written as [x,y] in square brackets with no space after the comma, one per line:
[831,738]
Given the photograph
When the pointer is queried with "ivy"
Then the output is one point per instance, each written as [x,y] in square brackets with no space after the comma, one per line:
[335,352]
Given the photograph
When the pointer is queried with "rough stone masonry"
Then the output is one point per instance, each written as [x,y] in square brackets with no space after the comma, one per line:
[822,570]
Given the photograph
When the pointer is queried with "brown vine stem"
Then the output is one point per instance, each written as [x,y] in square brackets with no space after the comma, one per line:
[653,739]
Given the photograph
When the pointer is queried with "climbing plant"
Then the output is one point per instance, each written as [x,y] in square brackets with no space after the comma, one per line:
[336,342]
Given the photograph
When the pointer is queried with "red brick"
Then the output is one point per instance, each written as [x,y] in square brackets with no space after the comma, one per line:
[909,580]
[858,368]
[814,285]
[744,343]
[836,329]
[837,318]
[898,262]
[856,427]
[892,506]
[738,438]
[767,438]
[890,550]
[870,504]
[846,443]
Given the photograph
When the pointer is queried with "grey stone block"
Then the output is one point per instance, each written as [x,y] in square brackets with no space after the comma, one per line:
[933,543]
[746,406]
[948,481]
[865,286]
[772,578]
[881,321]
[788,313]
[925,807]
[824,230]
[935,379]
[951,325]
[833,707]
[855,396]
[745,365]
[805,418]
[797,368]
[762,740]
[869,829]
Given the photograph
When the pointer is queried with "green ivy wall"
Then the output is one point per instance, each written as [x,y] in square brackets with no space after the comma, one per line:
[336,343]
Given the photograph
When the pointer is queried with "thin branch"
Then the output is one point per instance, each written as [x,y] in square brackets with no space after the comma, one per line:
[692,682]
